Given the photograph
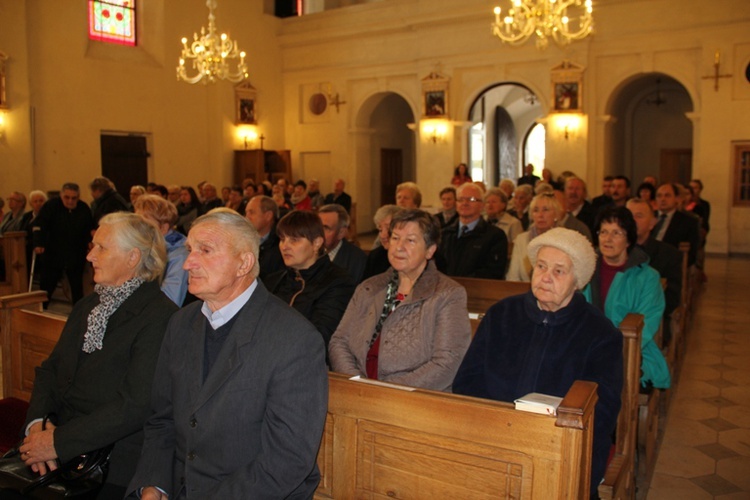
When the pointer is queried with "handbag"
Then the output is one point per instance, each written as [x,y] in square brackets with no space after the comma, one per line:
[80,478]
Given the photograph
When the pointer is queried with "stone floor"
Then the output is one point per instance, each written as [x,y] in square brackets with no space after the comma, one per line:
[705,450]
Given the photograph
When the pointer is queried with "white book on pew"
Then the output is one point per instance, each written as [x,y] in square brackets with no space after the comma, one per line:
[535,402]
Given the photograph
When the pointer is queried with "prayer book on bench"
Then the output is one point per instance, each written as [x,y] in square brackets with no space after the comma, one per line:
[538,403]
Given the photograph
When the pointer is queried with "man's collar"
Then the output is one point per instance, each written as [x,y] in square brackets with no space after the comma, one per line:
[221,316]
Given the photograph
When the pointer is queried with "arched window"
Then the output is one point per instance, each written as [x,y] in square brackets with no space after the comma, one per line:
[112,21]
[534,149]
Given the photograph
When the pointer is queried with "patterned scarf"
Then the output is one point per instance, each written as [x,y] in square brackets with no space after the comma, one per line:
[392,300]
[110,298]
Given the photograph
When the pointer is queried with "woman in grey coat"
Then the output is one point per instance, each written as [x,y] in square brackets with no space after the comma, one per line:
[410,324]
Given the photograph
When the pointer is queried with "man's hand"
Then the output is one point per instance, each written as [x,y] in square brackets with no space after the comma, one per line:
[38,448]
[151,493]
[39,250]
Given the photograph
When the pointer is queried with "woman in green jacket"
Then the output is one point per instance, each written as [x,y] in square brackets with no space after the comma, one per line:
[624,283]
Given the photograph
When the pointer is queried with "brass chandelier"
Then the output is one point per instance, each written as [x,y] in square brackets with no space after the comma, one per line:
[561,20]
[212,55]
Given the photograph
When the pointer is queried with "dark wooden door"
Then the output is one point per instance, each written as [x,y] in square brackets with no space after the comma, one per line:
[391,174]
[676,165]
[125,161]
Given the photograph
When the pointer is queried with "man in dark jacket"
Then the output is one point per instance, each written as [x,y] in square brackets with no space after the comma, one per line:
[62,232]
[106,199]
[340,251]
[262,212]
[471,247]
[339,197]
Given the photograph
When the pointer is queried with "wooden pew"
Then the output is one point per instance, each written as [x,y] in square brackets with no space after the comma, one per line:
[483,293]
[385,442]
[28,336]
[619,478]
[13,248]
[393,442]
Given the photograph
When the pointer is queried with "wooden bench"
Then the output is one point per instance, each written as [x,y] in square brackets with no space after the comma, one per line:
[386,442]
[483,293]
[619,478]
[13,248]
[28,336]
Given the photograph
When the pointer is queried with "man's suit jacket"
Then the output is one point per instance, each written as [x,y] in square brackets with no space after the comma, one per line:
[253,428]
[667,260]
[683,227]
[343,199]
[270,259]
[587,215]
[103,397]
[352,259]
[481,253]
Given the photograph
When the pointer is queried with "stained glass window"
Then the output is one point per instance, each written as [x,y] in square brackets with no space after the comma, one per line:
[112,21]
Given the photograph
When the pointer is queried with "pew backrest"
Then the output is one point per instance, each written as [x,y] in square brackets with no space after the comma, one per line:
[482,294]
[13,253]
[385,442]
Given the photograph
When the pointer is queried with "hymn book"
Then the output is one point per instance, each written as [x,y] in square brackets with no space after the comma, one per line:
[538,403]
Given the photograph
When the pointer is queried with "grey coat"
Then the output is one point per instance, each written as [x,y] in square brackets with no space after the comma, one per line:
[423,340]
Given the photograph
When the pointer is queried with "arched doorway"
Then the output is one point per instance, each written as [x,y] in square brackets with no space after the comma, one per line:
[651,133]
[385,152]
[501,118]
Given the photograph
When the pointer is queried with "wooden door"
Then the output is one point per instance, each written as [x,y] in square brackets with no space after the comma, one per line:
[676,165]
[125,161]
[391,174]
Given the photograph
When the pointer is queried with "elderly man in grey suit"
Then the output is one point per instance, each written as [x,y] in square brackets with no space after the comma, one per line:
[241,387]
[340,251]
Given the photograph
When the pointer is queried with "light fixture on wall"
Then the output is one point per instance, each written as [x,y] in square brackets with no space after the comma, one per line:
[568,124]
[545,18]
[435,131]
[248,134]
[2,123]
[212,55]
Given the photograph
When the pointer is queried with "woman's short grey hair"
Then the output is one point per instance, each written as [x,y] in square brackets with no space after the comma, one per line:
[524,188]
[496,192]
[38,192]
[428,224]
[416,192]
[134,232]
[543,187]
[156,208]
[245,237]
[550,199]
[384,212]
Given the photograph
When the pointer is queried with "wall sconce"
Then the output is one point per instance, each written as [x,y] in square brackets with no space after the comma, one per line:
[248,134]
[2,123]
[435,131]
[568,123]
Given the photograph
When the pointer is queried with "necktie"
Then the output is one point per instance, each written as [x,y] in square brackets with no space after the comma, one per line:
[658,226]
[464,231]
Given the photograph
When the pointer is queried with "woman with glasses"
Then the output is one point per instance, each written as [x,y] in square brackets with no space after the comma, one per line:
[545,212]
[624,283]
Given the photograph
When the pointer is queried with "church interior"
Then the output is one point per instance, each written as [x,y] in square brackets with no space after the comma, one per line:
[378,92]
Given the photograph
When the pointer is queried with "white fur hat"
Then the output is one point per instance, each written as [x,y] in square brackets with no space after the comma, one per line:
[574,244]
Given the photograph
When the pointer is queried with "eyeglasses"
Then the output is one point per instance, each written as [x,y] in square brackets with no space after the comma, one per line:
[615,233]
[465,199]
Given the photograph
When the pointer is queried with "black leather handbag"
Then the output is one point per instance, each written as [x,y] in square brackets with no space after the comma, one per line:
[80,478]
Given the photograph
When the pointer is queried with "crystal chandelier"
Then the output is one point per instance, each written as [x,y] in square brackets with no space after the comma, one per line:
[547,18]
[211,55]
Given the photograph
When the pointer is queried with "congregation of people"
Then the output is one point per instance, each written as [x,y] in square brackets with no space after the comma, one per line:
[202,353]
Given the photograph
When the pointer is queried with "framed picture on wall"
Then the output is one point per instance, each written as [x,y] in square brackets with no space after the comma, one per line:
[3,96]
[246,104]
[435,96]
[567,88]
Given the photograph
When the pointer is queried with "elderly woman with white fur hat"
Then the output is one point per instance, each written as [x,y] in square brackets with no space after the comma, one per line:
[544,340]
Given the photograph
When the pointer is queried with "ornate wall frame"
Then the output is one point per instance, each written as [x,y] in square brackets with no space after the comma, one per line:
[567,88]
[246,104]
[435,96]
[3,86]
